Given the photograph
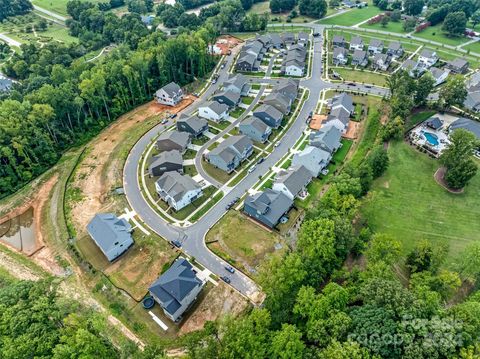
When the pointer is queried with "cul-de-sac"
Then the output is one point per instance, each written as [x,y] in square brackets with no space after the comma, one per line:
[239,179]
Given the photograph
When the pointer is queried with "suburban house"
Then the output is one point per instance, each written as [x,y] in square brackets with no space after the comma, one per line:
[413,68]
[427,58]
[313,158]
[229,98]
[288,39]
[275,40]
[343,100]
[266,41]
[255,129]
[458,66]
[339,41]
[439,75]
[466,124]
[193,125]
[166,161]
[176,289]
[281,102]
[434,123]
[288,88]
[170,94]
[359,58]
[340,56]
[269,114]
[111,234]
[237,83]
[230,153]
[292,182]
[214,111]
[395,49]
[247,63]
[302,39]
[267,207]
[178,190]
[293,68]
[375,46]
[381,62]
[173,140]
[356,43]
[472,102]
[253,47]
[327,138]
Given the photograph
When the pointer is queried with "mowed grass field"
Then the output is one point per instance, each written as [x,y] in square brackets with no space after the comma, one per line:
[409,205]
[58,6]
[352,17]
[362,76]
[435,33]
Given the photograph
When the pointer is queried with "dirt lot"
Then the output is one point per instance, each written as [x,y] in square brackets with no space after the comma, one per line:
[219,301]
[101,170]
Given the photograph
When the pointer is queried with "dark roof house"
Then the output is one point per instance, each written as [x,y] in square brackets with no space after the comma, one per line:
[193,125]
[173,140]
[166,161]
[267,207]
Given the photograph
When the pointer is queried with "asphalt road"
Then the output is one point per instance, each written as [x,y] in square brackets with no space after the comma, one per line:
[192,237]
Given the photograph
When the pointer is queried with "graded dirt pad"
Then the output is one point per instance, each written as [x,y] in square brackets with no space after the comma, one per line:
[101,170]
[219,301]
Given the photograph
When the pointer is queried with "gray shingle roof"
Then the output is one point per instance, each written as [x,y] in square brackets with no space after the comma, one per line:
[256,123]
[217,107]
[458,63]
[375,43]
[172,156]
[180,138]
[328,137]
[270,203]
[394,45]
[195,122]
[270,111]
[239,142]
[339,51]
[359,55]
[176,185]
[338,39]
[232,96]
[344,100]
[295,178]
[172,89]
[237,80]
[356,40]
[437,73]
[107,229]
[427,53]
[467,124]
[174,285]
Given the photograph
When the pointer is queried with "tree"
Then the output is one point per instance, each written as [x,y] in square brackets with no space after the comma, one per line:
[278,6]
[385,20]
[396,15]
[469,262]
[383,248]
[420,258]
[287,343]
[423,88]
[137,6]
[378,161]
[455,24]
[457,159]
[346,350]
[409,25]
[454,92]
[393,129]
[475,18]
[413,7]
[313,8]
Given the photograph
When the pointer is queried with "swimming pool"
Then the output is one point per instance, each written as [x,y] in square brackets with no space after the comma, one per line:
[431,138]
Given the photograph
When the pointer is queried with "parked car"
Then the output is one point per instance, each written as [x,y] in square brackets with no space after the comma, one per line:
[173,115]
[222,65]
[316,34]
[226,279]
[260,160]
[230,269]
[352,84]
[277,144]
[177,244]
[251,169]
[228,206]
[164,121]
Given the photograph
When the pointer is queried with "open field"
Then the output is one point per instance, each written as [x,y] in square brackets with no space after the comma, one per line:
[352,17]
[361,76]
[16,28]
[58,6]
[396,27]
[240,241]
[408,204]
[474,47]
[434,33]
[264,7]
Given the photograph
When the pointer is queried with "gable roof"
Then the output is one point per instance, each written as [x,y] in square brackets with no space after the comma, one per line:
[375,43]
[327,137]
[256,123]
[434,122]
[196,123]
[438,73]
[458,63]
[270,111]
[180,138]
[427,53]
[176,185]
[217,107]
[239,142]
[467,124]
[237,80]
[278,98]
[344,100]
[295,178]
[394,45]
[232,96]
[338,38]
[339,51]
[174,285]
[173,156]
[356,40]
[359,55]
[271,204]
[107,229]
[172,89]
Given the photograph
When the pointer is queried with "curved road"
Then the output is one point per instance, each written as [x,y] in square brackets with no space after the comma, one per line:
[192,237]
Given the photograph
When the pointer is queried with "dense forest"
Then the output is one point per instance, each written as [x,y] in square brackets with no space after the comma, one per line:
[14,7]
[62,100]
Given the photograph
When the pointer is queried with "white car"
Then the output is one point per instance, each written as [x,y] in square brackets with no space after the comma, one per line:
[251,169]
[277,144]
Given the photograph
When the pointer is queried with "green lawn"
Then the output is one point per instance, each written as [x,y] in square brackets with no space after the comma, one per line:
[417,118]
[362,76]
[58,6]
[409,205]
[352,17]
[434,33]
[396,27]
[475,47]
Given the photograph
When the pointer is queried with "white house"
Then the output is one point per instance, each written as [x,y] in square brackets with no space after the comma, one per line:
[177,190]
[213,111]
[292,182]
[170,94]
[294,68]
[427,58]
[439,75]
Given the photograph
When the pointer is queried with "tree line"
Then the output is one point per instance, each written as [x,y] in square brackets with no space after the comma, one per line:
[63,101]
[312,8]
[14,7]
